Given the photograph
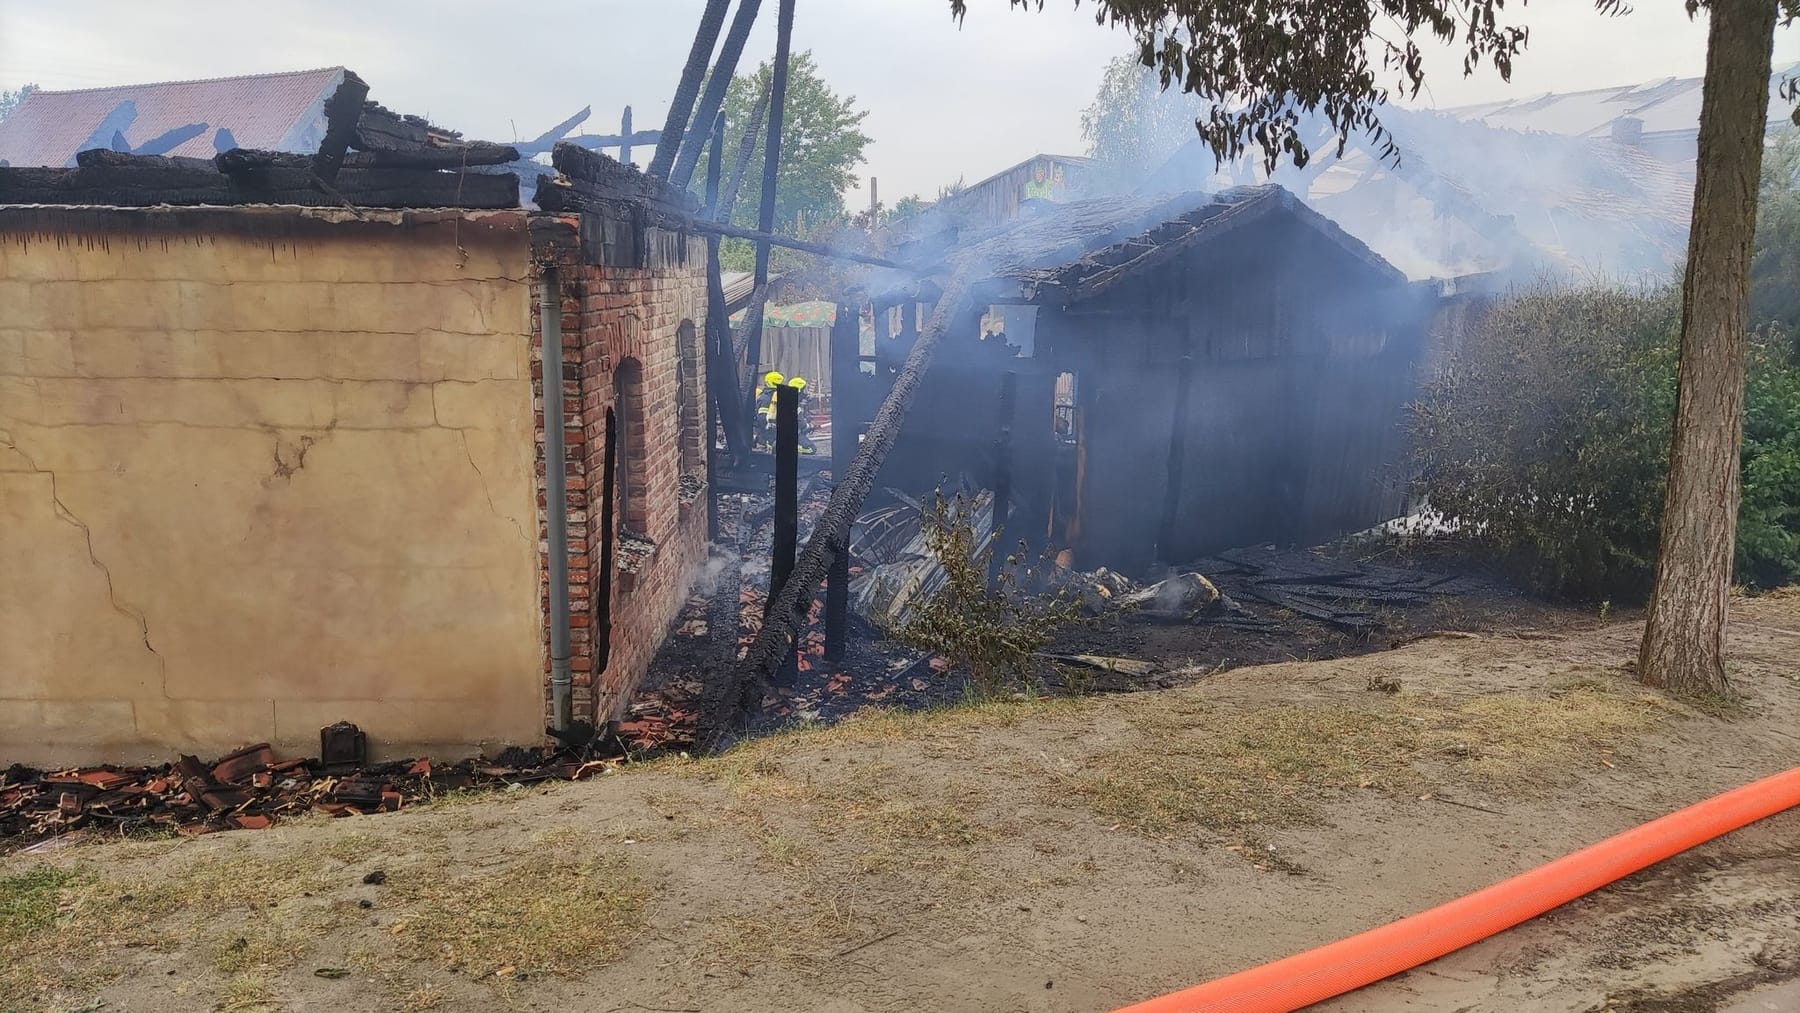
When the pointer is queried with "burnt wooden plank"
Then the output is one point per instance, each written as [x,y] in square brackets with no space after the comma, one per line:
[143,186]
[471,154]
[102,158]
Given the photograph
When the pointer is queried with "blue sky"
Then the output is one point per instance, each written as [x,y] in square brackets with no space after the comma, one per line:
[942,102]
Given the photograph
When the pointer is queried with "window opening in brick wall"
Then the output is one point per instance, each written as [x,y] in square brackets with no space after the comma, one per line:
[631,486]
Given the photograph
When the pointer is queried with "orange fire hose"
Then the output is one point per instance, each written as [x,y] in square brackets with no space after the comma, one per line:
[1316,975]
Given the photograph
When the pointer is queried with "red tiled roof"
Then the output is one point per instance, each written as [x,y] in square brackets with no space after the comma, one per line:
[276,111]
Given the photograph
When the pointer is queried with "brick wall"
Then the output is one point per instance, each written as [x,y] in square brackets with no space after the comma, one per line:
[629,345]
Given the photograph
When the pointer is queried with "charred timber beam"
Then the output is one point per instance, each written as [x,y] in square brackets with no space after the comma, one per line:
[342,111]
[788,242]
[474,153]
[143,186]
[846,370]
[106,158]
[615,180]
[787,487]
[383,130]
[712,19]
[746,149]
[577,194]
[543,142]
[832,531]
[627,141]
[713,99]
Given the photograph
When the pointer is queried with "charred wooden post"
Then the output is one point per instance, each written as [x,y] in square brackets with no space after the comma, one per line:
[343,110]
[784,33]
[1009,398]
[721,362]
[788,609]
[625,137]
[880,322]
[1171,505]
[603,590]
[787,487]
[746,148]
[714,97]
[715,309]
[845,372]
[675,127]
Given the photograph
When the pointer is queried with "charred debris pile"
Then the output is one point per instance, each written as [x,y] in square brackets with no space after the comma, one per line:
[251,788]
[370,157]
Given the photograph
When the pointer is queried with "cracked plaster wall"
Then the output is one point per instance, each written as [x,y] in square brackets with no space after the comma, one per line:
[250,486]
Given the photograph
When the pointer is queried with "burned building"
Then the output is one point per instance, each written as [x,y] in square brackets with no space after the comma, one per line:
[1235,369]
[273,448]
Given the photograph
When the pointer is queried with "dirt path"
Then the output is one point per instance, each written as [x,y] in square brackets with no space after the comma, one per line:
[1036,856]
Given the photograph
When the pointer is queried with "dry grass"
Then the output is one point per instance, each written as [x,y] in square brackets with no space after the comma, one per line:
[1228,769]
[1224,768]
[553,911]
[249,993]
[61,950]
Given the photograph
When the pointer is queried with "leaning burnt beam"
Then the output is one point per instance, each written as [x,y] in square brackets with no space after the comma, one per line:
[176,184]
[577,195]
[832,532]
[788,242]
[342,111]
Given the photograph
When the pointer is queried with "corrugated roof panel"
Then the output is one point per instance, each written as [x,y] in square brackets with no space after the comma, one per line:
[276,111]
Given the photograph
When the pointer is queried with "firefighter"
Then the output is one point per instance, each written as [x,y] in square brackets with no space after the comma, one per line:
[799,385]
[765,403]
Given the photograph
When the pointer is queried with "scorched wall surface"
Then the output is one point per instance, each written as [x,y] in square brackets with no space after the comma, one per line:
[262,470]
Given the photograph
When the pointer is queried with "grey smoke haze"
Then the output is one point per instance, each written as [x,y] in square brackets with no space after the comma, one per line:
[942,103]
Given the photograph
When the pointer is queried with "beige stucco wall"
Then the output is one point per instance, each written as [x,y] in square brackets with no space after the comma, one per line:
[263,473]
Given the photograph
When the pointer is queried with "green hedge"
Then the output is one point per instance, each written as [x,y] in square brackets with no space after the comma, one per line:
[1545,439]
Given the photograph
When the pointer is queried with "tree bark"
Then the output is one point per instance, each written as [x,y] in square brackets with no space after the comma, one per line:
[1684,638]
[675,127]
[714,97]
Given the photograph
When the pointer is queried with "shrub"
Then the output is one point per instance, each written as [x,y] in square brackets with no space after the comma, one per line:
[1545,438]
[992,631]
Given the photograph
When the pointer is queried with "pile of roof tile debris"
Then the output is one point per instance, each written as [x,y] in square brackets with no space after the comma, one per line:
[250,789]
[665,718]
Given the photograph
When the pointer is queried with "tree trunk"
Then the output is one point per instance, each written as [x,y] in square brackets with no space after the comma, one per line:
[1684,638]
[675,127]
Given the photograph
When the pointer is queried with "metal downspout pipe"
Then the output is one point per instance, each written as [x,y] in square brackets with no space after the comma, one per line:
[556,496]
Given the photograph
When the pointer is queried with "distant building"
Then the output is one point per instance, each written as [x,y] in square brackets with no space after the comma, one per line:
[277,112]
[1660,117]
[1598,183]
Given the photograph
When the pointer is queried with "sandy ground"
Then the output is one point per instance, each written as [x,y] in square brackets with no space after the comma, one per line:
[1031,856]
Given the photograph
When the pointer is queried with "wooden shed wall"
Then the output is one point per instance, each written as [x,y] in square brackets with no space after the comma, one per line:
[1300,360]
